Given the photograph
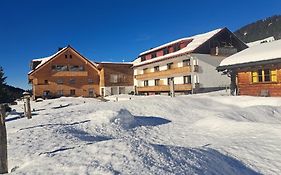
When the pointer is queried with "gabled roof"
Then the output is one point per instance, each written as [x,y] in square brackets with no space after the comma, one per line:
[196,41]
[45,60]
[260,53]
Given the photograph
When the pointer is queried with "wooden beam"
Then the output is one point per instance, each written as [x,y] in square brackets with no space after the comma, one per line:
[3,142]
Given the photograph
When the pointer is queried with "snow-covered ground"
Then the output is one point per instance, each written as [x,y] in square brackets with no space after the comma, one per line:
[196,134]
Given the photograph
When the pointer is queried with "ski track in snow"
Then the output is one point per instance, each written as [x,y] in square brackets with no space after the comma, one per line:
[196,134]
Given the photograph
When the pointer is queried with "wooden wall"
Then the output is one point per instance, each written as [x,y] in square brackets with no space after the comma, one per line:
[247,87]
[108,69]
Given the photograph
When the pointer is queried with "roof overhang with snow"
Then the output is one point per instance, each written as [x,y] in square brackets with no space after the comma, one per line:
[44,61]
[192,47]
[267,53]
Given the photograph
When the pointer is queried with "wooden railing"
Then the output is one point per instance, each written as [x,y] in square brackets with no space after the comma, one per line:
[163,88]
[164,73]
[70,74]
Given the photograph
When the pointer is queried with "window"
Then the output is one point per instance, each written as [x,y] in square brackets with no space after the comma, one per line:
[46,81]
[186,62]
[157,82]
[60,81]
[264,75]
[72,92]
[145,70]
[65,56]
[187,79]
[146,83]
[153,55]
[113,78]
[169,65]
[59,68]
[72,81]
[176,47]
[170,79]
[90,81]
[165,51]
[76,68]
[156,68]
[60,92]
[142,58]
[70,56]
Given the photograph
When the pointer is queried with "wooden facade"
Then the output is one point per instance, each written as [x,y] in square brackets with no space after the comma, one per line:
[116,78]
[76,76]
[116,74]
[266,83]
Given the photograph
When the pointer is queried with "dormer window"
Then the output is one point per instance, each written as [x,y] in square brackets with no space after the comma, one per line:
[65,56]
[165,51]
[176,47]
[153,55]
[70,56]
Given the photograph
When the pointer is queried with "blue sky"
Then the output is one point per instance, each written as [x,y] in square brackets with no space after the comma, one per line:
[110,30]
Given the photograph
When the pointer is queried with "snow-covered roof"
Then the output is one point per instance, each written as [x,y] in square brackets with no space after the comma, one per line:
[197,41]
[262,41]
[45,59]
[262,52]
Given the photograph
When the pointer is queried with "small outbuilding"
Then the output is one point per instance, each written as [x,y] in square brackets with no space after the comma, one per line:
[255,71]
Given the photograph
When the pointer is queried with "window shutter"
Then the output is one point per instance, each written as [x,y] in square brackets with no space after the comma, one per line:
[273,75]
[255,77]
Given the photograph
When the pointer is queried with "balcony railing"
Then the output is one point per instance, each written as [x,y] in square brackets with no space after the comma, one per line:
[164,73]
[164,88]
[70,74]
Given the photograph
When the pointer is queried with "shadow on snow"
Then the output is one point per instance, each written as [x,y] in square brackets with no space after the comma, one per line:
[181,160]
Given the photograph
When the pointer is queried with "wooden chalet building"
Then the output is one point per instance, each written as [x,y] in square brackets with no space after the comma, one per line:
[188,65]
[68,73]
[255,71]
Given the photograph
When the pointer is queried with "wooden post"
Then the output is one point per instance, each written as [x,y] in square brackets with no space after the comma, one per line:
[27,108]
[172,88]
[3,142]
[233,86]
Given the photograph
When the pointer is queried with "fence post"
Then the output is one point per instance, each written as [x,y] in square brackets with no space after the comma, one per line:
[3,141]
[27,108]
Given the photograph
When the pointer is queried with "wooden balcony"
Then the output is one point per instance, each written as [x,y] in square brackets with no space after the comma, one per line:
[70,74]
[164,73]
[165,88]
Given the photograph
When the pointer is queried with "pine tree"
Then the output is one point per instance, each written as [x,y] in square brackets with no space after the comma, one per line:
[3,92]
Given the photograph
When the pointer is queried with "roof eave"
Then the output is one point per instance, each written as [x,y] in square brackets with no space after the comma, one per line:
[249,64]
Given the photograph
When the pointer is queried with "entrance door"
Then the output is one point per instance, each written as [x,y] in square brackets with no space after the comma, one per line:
[72,92]
[121,90]
[91,92]
[114,90]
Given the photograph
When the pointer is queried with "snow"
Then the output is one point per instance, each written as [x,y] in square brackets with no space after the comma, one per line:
[262,52]
[196,134]
[197,40]
[262,41]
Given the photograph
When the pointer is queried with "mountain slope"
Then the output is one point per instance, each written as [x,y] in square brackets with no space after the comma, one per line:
[261,29]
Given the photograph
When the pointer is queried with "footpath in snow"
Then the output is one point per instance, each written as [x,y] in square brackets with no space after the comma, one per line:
[196,134]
